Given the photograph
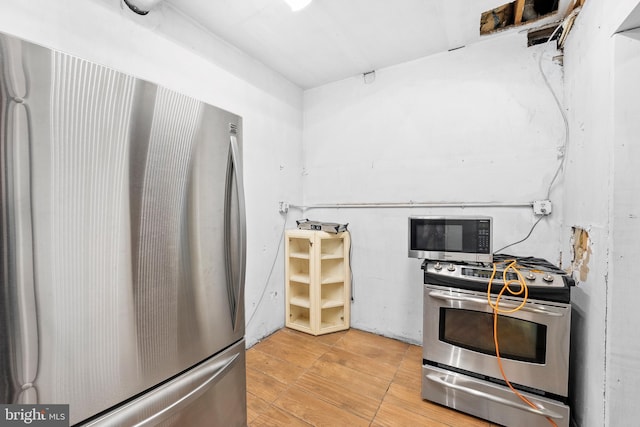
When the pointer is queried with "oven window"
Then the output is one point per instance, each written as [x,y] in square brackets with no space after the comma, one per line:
[518,339]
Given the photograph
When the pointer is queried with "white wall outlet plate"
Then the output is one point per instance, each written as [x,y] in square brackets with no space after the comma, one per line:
[542,207]
[283,207]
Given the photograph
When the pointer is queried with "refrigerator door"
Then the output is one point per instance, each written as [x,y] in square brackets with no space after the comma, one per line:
[122,231]
[208,395]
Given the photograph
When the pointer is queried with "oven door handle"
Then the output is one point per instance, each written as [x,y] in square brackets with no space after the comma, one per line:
[464,298]
[539,411]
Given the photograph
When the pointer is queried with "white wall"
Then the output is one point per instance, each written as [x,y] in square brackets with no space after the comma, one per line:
[623,336]
[476,124]
[598,181]
[164,48]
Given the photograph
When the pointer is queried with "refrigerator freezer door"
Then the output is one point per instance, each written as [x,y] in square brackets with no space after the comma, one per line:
[208,395]
[115,210]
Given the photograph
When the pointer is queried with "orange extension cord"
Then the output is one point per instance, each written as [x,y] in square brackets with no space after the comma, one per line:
[497,310]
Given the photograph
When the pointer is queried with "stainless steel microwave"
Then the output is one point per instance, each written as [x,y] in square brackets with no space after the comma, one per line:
[451,238]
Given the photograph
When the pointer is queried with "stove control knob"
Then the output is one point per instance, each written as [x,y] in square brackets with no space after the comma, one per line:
[548,278]
[438,266]
[530,276]
[451,267]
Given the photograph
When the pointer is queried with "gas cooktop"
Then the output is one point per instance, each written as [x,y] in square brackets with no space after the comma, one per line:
[544,280]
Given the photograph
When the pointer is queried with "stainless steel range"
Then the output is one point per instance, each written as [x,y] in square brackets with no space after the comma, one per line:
[525,383]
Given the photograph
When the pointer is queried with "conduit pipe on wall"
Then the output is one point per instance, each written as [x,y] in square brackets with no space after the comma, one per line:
[142,7]
[416,205]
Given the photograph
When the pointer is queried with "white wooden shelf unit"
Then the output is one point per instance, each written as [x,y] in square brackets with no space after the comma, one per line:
[318,281]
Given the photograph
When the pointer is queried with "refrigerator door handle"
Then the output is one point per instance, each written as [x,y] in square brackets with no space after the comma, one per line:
[235,279]
[17,234]
[205,376]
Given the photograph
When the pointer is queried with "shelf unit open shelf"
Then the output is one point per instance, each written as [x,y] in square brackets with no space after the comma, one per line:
[318,281]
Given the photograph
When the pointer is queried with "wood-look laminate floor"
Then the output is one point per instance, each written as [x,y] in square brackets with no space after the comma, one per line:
[349,378]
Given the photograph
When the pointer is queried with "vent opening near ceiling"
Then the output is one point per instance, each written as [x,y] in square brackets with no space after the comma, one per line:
[516,13]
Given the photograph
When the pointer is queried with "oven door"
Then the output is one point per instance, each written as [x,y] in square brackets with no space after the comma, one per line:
[533,342]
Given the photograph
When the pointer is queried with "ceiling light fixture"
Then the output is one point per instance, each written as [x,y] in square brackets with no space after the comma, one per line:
[142,7]
[297,5]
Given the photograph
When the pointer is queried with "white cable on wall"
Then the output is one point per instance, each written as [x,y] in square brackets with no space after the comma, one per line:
[266,284]
[563,149]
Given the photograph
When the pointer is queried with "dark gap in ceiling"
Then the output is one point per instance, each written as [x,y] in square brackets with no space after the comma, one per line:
[544,7]
[541,35]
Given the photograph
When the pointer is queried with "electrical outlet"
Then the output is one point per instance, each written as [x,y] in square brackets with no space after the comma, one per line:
[283,207]
[542,207]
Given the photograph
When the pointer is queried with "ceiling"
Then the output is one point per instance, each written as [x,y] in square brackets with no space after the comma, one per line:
[334,39]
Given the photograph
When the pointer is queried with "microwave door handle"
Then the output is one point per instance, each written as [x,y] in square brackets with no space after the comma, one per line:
[464,298]
[539,411]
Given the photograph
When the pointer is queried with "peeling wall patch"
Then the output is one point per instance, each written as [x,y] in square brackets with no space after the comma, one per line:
[581,248]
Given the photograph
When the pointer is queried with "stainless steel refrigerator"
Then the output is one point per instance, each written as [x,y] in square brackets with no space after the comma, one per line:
[123,246]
